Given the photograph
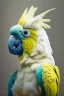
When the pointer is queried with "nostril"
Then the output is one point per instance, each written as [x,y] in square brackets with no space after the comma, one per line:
[21,41]
[16,45]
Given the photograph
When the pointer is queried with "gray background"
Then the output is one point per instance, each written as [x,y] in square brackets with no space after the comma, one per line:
[10,12]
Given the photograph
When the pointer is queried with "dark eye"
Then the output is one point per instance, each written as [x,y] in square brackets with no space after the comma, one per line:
[26,33]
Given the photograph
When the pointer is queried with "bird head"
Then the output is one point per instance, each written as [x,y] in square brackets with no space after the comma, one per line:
[23,36]
[21,40]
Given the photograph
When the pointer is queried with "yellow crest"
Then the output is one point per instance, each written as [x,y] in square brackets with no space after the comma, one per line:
[29,21]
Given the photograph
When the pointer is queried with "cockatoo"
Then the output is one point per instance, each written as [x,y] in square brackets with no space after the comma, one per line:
[37,74]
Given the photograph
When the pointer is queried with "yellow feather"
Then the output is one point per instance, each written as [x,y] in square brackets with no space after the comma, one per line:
[22,19]
[27,15]
[46,26]
[40,23]
[57,71]
[28,20]
[51,79]
[44,13]
[46,20]
[31,12]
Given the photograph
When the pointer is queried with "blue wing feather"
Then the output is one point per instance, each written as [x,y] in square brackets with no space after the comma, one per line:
[11,82]
[39,79]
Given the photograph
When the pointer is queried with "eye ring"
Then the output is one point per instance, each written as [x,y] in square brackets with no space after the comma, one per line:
[26,33]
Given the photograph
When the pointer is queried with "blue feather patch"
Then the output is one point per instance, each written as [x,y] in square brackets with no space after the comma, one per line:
[11,82]
[39,75]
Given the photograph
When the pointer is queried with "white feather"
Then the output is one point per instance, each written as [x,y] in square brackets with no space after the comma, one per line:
[26,78]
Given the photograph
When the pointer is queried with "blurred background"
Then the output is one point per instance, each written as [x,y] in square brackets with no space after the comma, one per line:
[10,12]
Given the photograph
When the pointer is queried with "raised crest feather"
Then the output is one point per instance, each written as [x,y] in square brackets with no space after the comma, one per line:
[28,20]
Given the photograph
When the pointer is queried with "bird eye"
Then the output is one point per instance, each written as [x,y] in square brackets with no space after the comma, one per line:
[26,33]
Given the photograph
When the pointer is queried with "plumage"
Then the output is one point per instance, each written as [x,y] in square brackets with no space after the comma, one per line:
[37,73]
[28,19]
[50,79]
[22,19]
[11,82]
[27,16]
[46,20]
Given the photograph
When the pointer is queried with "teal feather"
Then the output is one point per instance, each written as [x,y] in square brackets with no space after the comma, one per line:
[16,30]
[11,82]
[39,79]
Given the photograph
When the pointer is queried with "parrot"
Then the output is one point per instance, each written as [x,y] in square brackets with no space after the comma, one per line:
[37,74]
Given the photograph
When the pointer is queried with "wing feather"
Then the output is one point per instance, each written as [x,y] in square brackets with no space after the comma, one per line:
[50,79]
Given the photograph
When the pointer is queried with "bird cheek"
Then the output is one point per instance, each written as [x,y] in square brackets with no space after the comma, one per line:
[28,45]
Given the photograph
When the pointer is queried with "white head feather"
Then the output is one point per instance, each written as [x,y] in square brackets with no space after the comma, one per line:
[28,20]
[42,51]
